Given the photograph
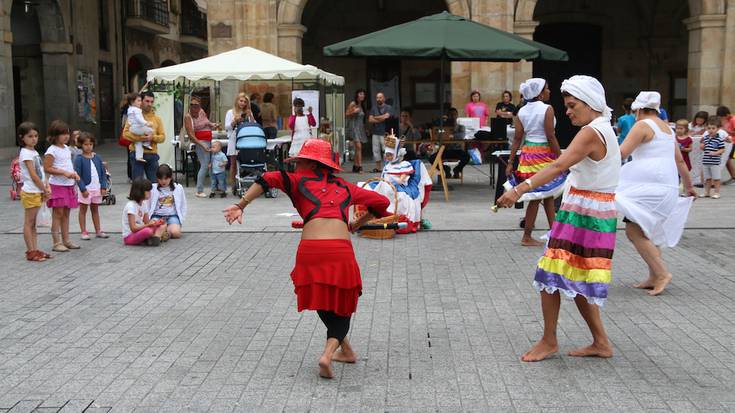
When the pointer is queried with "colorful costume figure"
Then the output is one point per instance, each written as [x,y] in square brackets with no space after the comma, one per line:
[412,183]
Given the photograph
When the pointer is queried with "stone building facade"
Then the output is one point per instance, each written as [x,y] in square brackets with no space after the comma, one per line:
[74,60]
[683,48]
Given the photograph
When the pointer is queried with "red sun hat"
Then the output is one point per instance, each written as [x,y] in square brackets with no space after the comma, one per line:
[320,151]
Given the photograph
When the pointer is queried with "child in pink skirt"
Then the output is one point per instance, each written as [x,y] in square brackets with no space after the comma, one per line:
[62,180]
[137,228]
[92,184]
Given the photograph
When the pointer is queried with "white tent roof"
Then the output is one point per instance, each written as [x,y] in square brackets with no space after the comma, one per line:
[245,63]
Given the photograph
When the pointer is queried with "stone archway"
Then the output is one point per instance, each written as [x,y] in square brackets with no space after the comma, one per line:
[54,52]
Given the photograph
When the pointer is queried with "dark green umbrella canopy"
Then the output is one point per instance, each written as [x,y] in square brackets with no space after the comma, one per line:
[446,36]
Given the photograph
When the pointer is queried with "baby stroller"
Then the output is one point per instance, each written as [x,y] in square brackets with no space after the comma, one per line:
[251,157]
[108,199]
[16,183]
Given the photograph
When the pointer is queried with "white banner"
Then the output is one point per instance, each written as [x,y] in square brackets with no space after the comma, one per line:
[311,98]
[164,107]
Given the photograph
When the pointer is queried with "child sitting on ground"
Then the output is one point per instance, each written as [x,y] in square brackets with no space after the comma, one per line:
[684,140]
[138,124]
[217,167]
[136,227]
[713,146]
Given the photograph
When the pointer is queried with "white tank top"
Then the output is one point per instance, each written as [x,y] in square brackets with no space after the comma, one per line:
[532,117]
[654,162]
[602,175]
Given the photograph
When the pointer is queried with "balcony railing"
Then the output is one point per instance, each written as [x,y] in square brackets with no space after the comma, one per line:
[153,11]
[194,23]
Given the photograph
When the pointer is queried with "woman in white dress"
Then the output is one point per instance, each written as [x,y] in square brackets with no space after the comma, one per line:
[648,192]
[239,113]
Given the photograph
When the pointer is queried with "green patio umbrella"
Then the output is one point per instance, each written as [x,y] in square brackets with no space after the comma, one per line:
[445,36]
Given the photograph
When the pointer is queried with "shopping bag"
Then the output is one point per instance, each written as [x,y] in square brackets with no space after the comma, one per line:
[43,219]
[475,156]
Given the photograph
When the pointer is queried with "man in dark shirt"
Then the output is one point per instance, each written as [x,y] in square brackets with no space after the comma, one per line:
[378,117]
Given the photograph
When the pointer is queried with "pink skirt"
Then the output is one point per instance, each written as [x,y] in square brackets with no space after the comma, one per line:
[63,197]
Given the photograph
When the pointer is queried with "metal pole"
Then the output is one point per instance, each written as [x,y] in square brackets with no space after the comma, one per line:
[441,94]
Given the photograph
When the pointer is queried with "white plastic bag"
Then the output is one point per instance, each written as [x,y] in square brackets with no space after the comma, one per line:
[43,219]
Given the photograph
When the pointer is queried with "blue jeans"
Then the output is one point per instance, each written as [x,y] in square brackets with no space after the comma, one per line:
[203,157]
[145,169]
[170,219]
[219,181]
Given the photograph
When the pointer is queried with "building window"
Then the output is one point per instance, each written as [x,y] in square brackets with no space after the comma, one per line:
[155,11]
[193,21]
[104,24]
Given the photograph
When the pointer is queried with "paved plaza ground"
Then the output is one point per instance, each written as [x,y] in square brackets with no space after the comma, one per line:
[209,322]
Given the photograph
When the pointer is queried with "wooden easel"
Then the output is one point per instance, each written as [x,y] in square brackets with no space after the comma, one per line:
[438,167]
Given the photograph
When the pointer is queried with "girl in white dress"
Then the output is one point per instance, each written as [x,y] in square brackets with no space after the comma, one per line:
[648,192]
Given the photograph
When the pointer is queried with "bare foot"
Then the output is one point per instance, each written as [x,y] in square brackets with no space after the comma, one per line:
[344,357]
[540,351]
[645,285]
[594,350]
[325,367]
[660,284]
[530,242]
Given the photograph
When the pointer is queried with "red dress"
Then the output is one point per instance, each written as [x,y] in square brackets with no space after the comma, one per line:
[326,275]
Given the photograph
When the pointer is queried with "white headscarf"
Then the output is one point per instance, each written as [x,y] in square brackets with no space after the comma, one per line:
[531,88]
[590,91]
[647,100]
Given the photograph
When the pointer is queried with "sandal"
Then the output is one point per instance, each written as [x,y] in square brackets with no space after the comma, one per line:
[45,254]
[35,256]
[60,247]
[71,245]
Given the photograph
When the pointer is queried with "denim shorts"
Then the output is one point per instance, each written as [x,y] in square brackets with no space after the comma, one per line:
[171,219]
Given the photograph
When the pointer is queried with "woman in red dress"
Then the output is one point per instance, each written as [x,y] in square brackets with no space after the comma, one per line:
[326,276]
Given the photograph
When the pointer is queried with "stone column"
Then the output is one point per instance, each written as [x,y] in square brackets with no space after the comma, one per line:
[522,70]
[289,40]
[7,104]
[706,55]
[728,68]
[59,80]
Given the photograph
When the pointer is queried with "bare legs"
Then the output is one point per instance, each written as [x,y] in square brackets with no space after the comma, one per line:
[60,225]
[548,345]
[530,221]
[30,236]
[358,153]
[95,217]
[658,275]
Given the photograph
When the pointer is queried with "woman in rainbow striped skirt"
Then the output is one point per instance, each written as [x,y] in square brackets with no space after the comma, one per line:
[578,257]
[534,128]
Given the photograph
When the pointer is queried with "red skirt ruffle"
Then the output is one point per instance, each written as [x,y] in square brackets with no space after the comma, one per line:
[326,276]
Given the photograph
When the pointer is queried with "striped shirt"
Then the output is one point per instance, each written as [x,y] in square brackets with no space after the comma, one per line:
[712,144]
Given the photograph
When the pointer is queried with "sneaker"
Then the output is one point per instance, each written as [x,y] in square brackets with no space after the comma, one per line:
[85,236]
[716,196]
[165,236]
[200,195]
[223,195]
[425,223]
[141,160]
[102,234]
[704,195]
[71,245]
[153,241]
[212,195]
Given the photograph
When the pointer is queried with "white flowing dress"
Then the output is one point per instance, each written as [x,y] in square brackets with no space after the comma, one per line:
[648,192]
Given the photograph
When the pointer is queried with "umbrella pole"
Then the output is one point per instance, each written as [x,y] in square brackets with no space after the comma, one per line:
[441,94]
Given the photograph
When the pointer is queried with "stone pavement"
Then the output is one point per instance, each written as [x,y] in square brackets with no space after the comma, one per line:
[208,323]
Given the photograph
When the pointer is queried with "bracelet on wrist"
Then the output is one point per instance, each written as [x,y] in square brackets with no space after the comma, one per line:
[529,183]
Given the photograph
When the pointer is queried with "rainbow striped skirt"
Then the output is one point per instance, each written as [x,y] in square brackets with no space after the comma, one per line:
[578,256]
[535,156]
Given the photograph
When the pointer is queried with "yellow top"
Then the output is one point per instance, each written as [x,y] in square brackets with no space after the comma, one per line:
[159,135]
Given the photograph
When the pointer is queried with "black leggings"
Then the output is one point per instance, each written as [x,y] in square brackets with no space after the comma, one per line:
[337,326]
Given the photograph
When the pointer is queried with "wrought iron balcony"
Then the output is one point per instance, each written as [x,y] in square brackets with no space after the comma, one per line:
[150,16]
[193,25]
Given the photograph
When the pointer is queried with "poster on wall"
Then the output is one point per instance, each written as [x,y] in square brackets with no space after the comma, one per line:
[311,98]
[86,96]
[164,107]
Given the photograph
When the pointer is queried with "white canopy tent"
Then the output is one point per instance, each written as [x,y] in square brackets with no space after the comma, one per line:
[250,64]
[245,63]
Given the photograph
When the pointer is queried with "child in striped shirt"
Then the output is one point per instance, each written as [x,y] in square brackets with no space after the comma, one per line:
[713,146]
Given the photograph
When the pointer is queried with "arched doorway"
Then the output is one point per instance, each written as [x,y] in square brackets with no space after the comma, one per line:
[27,63]
[138,66]
[629,45]
[325,23]
[166,63]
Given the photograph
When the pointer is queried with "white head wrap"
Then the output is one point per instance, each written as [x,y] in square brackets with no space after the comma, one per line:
[590,91]
[531,88]
[647,100]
